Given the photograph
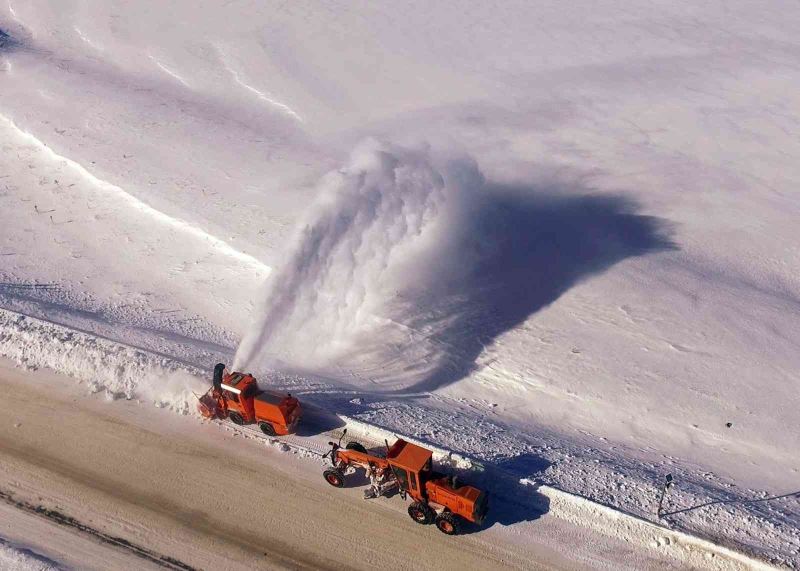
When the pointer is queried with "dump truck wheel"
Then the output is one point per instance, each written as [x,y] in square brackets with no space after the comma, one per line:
[267,428]
[448,523]
[236,418]
[421,513]
[334,477]
[357,447]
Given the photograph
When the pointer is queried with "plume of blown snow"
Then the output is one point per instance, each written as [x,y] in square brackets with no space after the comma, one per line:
[362,250]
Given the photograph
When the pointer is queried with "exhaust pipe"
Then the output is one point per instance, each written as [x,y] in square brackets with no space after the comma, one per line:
[219,369]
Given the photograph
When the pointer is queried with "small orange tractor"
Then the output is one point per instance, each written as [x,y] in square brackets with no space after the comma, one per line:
[436,498]
[238,397]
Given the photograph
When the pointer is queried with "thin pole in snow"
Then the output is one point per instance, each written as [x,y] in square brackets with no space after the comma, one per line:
[668,483]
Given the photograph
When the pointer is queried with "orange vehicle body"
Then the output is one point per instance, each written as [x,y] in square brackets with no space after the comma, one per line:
[411,467]
[238,397]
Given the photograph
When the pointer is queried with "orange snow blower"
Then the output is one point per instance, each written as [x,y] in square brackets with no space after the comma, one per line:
[436,498]
[237,396]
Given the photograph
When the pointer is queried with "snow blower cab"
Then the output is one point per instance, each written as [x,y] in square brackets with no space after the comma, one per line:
[238,397]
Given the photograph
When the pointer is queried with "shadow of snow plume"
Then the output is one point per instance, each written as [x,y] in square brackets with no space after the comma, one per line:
[7,43]
[412,262]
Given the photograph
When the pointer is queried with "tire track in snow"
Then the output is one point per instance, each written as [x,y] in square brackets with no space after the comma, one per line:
[137,204]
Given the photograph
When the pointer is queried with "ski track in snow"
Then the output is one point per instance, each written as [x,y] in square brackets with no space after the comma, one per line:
[139,205]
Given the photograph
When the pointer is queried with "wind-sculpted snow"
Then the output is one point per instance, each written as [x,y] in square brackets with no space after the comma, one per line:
[412,262]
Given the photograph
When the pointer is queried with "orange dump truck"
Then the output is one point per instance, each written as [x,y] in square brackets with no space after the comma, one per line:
[238,397]
[436,498]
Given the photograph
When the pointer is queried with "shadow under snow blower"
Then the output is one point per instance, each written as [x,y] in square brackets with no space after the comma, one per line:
[238,397]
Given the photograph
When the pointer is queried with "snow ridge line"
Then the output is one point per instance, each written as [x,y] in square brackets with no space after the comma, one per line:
[138,204]
[122,371]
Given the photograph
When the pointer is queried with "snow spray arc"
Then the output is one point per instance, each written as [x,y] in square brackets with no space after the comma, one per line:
[374,236]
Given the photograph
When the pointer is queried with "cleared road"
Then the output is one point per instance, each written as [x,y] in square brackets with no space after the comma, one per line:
[201,497]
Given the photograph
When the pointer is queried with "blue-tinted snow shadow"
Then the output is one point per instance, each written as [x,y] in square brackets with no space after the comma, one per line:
[513,488]
[513,491]
[519,249]
[7,43]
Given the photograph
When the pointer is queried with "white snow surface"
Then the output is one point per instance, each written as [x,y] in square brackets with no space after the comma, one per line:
[18,558]
[568,246]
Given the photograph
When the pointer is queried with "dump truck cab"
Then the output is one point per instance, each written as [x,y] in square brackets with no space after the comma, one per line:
[238,397]
[411,465]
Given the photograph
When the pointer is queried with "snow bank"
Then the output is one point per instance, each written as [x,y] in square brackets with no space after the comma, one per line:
[118,370]
[13,558]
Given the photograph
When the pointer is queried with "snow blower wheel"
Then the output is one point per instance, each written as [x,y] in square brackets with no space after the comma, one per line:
[334,477]
[236,418]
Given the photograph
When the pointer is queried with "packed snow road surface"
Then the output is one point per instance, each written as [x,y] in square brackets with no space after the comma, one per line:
[205,498]
[100,485]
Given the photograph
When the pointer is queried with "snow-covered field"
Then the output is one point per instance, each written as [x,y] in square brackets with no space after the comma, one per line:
[560,238]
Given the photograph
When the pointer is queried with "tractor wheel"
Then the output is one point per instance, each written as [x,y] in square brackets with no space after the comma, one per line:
[356,446]
[448,523]
[421,513]
[267,428]
[334,477]
[236,418]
